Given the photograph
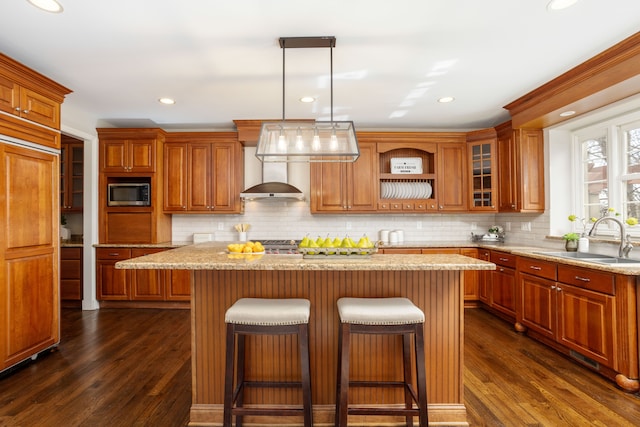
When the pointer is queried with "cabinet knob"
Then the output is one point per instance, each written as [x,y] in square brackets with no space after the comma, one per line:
[25,111]
[513,206]
[558,289]
[440,207]
[17,108]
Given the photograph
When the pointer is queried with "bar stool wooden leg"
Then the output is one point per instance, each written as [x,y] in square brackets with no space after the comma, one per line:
[305,370]
[406,361]
[239,391]
[342,393]
[228,377]
[421,376]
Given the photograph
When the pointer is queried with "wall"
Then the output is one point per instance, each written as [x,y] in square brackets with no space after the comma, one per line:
[292,220]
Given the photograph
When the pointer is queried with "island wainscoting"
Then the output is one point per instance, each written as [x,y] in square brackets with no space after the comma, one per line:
[432,282]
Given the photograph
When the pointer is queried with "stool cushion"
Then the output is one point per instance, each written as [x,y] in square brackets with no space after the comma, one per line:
[379,311]
[267,311]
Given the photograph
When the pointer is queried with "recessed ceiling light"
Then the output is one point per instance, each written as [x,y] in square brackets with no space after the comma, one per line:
[166,101]
[567,113]
[47,5]
[560,4]
[446,99]
[307,99]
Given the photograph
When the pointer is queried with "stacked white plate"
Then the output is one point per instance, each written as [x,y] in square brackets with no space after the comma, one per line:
[405,190]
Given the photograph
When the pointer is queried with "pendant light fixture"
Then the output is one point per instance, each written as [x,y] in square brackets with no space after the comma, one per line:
[308,140]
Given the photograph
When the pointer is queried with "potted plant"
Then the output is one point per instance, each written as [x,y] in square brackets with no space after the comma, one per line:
[571,241]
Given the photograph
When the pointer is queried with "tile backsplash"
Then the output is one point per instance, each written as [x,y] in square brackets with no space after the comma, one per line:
[280,219]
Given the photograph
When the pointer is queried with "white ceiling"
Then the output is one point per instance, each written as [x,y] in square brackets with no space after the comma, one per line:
[392,61]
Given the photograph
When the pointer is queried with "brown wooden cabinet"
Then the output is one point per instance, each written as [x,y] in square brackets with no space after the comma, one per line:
[452,177]
[29,258]
[204,173]
[503,284]
[71,175]
[346,187]
[111,284]
[29,213]
[178,285]
[484,283]
[132,155]
[28,104]
[537,296]
[71,276]
[139,286]
[481,153]
[122,152]
[471,279]
[588,314]
[407,192]
[521,169]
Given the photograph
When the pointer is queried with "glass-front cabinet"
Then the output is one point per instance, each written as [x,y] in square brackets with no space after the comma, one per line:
[71,175]
[482,171]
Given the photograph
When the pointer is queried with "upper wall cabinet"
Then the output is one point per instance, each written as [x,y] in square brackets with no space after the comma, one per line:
[29,104]
[521,166]
[203,173]
[345,187]
[128,151]
[483,176]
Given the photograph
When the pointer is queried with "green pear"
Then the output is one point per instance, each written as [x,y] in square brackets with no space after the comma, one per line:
[319,241]
[304,243]
[337,242]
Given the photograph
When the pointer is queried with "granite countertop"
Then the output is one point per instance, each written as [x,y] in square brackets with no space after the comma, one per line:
[162,245]
[213,256]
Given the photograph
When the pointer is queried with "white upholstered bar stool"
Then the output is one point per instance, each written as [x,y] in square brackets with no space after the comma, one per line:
[261,316]
[389,316]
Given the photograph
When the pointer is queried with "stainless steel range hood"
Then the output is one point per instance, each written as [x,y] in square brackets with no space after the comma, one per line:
[274,185]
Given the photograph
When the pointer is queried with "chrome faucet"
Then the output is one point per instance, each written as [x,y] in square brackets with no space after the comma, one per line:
[625,239]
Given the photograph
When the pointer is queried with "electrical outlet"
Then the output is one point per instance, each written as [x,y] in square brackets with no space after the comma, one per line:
[507,226]
[525,226]
[474,226]
[348,225]
[419,225]
[221,226]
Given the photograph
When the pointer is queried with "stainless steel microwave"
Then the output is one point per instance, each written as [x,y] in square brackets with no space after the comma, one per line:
[129,194]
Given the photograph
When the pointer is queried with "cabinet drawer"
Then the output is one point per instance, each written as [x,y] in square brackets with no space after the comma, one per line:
[504,259]
[71,253]
[587,279]
[536,267]
[113,253]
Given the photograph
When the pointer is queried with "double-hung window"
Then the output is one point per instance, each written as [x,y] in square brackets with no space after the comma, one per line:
[608,161]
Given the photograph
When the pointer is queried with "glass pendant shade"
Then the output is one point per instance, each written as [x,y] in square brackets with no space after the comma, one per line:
[307,141]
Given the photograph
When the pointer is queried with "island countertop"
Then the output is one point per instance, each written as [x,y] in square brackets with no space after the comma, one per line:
[213,256]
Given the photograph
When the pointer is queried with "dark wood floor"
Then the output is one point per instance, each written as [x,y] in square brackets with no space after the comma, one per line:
[119,367]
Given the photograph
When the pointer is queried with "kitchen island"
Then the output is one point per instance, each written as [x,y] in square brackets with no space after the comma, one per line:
[432,282]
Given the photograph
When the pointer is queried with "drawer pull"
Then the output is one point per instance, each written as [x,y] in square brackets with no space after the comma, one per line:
[504,259]
[535,267]
[583,279]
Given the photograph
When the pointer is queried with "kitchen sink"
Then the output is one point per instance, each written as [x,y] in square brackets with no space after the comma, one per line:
[591,257]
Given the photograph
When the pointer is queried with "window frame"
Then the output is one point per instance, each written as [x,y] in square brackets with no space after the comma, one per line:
[613,130]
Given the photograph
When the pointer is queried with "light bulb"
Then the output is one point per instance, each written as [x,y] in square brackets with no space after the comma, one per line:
[315,144]
[333,142]
[282,143]
[299,141]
